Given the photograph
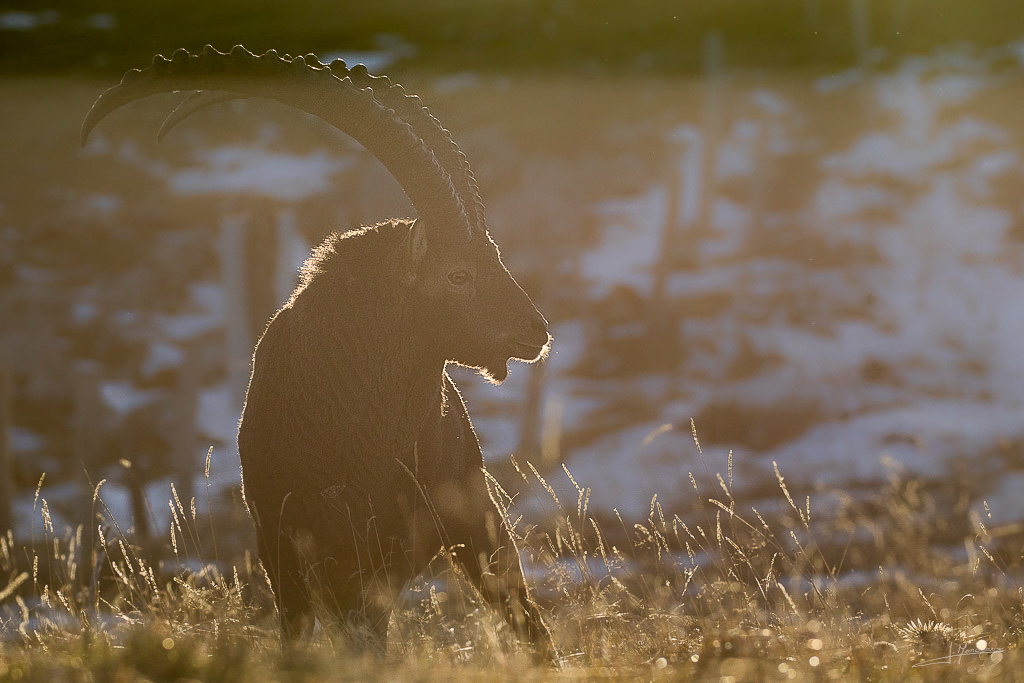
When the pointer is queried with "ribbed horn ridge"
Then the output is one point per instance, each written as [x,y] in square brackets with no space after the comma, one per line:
[314,89]
[435,136]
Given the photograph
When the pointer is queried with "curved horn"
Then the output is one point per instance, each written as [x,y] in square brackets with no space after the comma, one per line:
[392,96]
[316,90]
[438,139]
[201,99]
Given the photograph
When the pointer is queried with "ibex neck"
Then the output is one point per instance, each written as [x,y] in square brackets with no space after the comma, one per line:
[370,360]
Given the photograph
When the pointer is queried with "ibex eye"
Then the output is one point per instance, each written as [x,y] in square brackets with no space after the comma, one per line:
[459,277]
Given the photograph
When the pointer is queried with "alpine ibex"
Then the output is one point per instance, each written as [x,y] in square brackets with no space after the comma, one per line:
[359,460]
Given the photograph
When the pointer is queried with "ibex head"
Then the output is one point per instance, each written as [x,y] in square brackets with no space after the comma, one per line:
[448,265]
[485,318]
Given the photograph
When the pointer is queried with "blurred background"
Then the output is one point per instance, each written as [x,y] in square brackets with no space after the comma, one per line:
[791,228]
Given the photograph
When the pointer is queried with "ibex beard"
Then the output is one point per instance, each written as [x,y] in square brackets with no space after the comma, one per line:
[360,463]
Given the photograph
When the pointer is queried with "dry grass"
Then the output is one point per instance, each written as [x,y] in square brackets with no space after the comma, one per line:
[873,589]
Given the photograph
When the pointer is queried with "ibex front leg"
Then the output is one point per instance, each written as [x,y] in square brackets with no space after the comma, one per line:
[486,552]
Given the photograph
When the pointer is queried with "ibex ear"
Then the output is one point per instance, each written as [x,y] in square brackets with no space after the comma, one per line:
[415,249]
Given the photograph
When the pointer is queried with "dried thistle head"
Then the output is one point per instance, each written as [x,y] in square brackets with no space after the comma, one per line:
[931,633]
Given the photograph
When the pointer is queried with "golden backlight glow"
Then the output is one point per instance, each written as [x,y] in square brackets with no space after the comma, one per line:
[781,264]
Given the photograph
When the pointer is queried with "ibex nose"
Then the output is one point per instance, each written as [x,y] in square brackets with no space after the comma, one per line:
[537,330]
[539,326]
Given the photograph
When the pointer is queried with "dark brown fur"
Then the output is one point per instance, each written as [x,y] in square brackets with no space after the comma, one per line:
[359,460]
[358,455]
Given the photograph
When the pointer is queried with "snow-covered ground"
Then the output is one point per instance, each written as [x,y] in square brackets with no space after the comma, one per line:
[906,351]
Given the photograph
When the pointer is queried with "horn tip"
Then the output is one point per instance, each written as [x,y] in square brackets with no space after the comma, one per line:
[162,133]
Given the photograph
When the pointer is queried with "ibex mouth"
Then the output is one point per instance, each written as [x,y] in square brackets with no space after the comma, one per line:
[497,370]
[528,352]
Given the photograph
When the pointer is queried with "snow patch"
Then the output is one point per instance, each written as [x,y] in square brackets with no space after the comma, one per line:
[244,170]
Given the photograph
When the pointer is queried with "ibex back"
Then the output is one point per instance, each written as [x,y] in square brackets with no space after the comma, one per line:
[359,460]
